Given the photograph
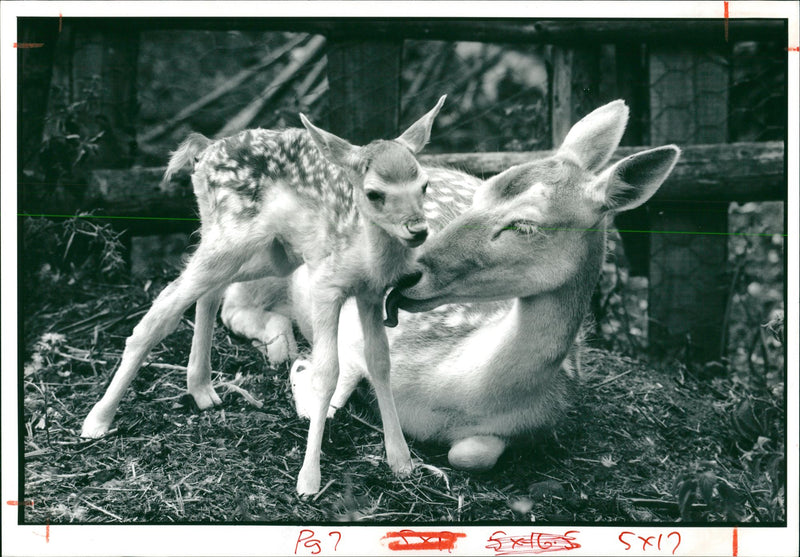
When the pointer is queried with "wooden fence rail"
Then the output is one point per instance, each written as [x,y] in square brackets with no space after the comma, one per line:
[720,173]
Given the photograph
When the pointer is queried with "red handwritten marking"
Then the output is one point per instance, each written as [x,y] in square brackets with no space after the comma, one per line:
[60,17]
[794,49]
[28,45]
[535,543]
[735,542]
[428,540]
[17,503]
[46,532]
[726,22]
[314,544]
[648,541]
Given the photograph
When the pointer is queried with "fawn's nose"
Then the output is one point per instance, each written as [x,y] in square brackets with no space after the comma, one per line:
[418,231]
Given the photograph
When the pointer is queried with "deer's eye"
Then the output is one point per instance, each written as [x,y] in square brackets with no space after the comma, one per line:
[425,188]
[521,227]
[376,196]
[525,227]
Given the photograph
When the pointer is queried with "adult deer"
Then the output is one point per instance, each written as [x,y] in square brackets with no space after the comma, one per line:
[516,270]
[270,200]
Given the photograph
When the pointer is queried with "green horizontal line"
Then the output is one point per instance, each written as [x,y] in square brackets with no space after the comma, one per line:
[687,232]
[762,234]
[193,219]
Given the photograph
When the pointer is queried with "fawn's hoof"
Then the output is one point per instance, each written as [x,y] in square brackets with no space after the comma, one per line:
[95,425]
[401,464]
[205,396]
[303,393]
[308,482]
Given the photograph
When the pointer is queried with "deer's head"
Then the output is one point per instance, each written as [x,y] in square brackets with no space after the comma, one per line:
[537,227]
[389,182]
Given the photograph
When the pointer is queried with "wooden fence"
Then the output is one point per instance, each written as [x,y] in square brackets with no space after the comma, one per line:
[670,72]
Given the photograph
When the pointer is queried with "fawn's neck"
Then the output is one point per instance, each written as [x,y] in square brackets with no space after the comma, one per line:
[385,258]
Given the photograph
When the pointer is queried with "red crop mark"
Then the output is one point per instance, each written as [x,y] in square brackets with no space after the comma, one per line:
[28,45]
[794,49]
[17,503]
[425,541]
[735,542]
[533,543]
[60,18]
[726,21]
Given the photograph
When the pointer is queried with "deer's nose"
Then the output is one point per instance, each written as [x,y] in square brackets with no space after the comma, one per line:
[409,280]
[418,230]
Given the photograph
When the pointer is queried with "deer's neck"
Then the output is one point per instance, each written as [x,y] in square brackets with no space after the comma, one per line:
[538,332]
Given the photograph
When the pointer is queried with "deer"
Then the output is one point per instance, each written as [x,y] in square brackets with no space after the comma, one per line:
[487,349]
[270,201]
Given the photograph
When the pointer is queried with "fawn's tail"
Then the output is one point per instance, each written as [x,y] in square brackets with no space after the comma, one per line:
[185,154]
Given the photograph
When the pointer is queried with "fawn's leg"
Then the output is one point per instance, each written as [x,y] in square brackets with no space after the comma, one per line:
[205,271]
[198,374]
[376,353]
[476,453]
[326,306]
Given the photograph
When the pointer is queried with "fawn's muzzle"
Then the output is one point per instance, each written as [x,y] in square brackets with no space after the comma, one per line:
[418,232]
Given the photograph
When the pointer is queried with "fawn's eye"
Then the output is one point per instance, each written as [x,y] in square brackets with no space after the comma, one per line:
[424,188]
[375,196]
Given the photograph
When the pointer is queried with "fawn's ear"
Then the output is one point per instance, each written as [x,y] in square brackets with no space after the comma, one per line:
[419,133]
[633,180]
[596,136]
[334,148]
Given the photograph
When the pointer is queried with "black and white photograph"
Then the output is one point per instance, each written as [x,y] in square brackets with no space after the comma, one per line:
[415,272]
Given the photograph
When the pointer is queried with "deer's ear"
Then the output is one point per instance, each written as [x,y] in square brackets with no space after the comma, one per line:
[633,180]
[593,140]
[419,133]
[334,148]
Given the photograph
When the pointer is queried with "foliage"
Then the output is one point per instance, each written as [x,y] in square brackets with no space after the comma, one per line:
[63,259]
[71,137]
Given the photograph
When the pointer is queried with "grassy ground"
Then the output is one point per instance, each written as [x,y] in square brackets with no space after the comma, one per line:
[643,442]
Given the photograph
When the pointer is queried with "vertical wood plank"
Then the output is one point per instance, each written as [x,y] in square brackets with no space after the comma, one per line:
[34,68]
[364,81]
[688,246]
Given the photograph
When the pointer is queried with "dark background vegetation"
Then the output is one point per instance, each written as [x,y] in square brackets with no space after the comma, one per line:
[650,438]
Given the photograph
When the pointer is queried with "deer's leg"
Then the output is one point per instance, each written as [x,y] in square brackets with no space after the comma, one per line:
[304,397]
[326,306]
[205,271]
[476,453]
[198,374]
[376,353]
[270,331]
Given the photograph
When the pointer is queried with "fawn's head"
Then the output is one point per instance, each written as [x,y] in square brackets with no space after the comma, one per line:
[389,183]
[540,226]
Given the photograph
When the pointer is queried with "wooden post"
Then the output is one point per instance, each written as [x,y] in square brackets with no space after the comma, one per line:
[105,64]
[34,70]
[630,66]
[688,244]
[575,86]
[364,81]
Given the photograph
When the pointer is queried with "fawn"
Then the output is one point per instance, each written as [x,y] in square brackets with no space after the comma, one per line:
[269,201]
[503,288]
